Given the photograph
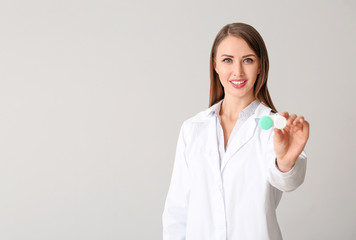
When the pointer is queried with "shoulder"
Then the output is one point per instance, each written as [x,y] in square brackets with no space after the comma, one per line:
[262,110]
[200,121]
[199,118]
[205,114]
[202,116]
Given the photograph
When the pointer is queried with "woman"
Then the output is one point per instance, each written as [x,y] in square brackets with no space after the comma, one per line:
[229,174]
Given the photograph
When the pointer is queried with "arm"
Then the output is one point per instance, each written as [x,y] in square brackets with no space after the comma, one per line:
[289,180]
[175,210]
[286,154]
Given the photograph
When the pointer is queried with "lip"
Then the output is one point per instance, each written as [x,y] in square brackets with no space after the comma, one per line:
[238,86]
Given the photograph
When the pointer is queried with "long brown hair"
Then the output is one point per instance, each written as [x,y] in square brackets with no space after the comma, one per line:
[256,43]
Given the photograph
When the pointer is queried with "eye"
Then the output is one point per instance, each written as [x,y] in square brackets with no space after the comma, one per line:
[227,59]
[251,60]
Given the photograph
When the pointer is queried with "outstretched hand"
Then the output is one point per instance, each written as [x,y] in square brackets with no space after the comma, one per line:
[290,141]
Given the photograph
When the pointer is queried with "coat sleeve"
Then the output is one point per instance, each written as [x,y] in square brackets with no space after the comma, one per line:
[175,210]
[285,181]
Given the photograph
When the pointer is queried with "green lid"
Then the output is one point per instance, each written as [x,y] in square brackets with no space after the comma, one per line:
[265,122]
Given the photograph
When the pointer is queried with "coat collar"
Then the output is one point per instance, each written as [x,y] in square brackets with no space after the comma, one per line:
[246,132]
[261,110]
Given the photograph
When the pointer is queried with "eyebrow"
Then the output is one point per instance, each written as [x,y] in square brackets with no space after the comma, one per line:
[248,55]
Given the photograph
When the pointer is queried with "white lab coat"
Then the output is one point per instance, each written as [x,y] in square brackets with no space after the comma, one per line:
[236,201]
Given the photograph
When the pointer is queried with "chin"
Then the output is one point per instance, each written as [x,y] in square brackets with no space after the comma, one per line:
[241,93]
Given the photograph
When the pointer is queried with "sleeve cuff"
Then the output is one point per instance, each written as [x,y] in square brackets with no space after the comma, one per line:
[277,171]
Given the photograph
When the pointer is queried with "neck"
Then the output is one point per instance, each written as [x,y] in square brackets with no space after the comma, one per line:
[231,107]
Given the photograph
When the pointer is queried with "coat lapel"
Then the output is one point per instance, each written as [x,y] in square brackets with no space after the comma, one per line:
[212,142]
[206,142]
[245,133]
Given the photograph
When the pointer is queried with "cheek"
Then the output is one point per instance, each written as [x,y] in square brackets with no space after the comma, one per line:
[253,71]
[223,72]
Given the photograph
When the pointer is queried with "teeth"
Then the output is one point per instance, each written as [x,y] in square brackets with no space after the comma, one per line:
[238,82]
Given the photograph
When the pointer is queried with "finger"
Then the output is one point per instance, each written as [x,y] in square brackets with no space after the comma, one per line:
[291,119]
[298,120]
[306,127]
[278,134]
[284,114]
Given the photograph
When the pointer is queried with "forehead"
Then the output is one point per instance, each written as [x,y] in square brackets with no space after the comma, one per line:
[235,46]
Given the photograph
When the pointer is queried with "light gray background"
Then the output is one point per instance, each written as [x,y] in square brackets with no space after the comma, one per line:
[93,93]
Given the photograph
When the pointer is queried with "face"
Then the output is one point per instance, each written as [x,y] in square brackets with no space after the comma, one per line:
[237,66]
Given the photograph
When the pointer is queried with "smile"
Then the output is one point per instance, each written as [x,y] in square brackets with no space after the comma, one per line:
[238,83]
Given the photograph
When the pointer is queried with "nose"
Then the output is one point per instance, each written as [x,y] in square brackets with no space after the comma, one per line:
[238,69]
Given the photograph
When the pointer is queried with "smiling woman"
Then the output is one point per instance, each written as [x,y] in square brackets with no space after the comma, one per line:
[229,174]
[244,49]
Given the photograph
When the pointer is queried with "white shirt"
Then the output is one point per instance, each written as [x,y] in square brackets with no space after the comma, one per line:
[234,200]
